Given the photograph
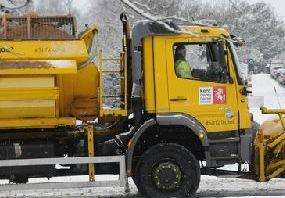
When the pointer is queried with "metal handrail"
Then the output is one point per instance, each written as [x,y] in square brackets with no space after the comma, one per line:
[122,182]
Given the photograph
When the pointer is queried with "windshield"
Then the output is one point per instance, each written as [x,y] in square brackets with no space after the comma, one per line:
[201,61]
[282,71]
[242,69]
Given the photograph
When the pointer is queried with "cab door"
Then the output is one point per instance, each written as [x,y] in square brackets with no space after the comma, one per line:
[244,114]
[209,94]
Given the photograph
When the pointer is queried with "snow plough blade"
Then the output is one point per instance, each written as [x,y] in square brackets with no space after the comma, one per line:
[270,147]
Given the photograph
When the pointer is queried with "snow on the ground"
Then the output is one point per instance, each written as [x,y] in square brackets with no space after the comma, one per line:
[210,186]
[263,86]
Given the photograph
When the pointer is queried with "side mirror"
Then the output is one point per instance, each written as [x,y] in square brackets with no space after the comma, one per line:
[237,41]
[244,91]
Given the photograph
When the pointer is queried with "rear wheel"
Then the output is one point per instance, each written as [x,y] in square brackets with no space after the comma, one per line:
[19,179]
[168,170]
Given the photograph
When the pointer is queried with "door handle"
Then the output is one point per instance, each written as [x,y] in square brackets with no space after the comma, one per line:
[179,98]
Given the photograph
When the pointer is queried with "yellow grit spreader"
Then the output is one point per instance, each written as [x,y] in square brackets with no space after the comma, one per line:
[180,99]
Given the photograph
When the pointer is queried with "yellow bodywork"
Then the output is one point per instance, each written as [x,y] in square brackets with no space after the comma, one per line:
[48,83]
[270,147]
[177,95]
[45,50]
[51,83]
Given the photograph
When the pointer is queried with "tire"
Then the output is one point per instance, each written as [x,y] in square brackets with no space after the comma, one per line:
[168,170]
[137,181]
[19,179]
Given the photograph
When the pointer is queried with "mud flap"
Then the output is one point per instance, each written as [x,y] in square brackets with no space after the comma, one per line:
[246,147]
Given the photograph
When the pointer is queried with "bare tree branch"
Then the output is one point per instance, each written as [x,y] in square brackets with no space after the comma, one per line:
[152,18]
[9,9]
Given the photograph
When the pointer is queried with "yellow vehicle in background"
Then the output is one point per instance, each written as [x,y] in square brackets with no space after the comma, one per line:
[52,104]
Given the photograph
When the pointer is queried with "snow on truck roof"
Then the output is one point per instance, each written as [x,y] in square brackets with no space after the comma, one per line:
[213,30]
[157,28]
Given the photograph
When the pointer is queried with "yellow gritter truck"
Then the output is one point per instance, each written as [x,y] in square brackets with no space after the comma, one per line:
[182,100]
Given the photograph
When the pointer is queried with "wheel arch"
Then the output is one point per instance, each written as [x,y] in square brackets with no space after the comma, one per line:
[165,120]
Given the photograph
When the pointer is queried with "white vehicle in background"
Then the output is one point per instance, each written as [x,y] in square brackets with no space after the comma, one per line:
[281,76]
[274,71]
[278,72]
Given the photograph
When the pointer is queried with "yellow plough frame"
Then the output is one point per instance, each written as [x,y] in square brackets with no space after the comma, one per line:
[270,147]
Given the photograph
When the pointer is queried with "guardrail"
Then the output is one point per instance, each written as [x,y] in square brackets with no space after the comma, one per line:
[122,182]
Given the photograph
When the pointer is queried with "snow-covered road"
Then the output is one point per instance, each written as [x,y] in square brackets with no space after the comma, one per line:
[210,186]
[264,86]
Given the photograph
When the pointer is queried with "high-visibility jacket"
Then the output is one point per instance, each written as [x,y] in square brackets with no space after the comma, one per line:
[182,69]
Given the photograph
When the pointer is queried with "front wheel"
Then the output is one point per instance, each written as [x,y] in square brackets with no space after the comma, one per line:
[168,170]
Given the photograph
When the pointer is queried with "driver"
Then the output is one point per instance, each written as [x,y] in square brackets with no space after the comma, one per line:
[182,67]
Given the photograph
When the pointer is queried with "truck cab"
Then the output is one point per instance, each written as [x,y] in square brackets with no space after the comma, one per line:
[213,93]
[203,111]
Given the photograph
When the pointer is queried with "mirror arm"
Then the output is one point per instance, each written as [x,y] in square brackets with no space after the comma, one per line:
[244,91]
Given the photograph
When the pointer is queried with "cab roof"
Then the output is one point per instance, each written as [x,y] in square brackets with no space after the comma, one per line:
[205,30]
[158,28]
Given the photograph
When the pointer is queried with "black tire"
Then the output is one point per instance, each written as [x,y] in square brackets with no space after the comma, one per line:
[19,179]
[168,170]
[137,181]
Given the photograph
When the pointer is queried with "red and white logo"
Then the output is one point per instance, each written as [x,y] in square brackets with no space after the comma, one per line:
[219,95]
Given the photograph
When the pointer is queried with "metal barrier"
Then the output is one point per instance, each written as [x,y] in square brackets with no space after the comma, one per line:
[122,182]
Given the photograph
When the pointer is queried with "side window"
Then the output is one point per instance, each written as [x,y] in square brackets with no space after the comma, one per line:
[201,61]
